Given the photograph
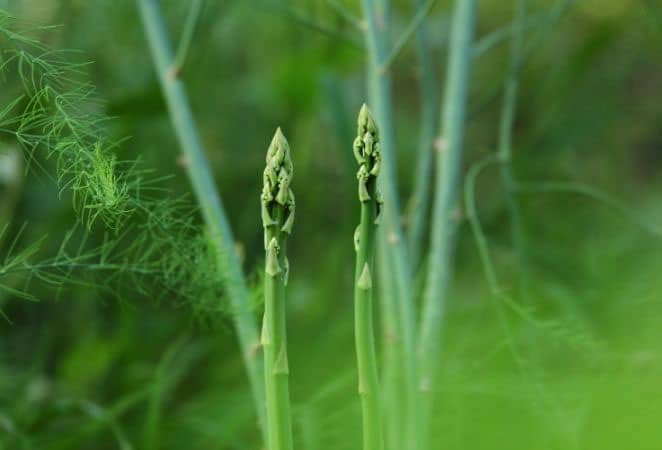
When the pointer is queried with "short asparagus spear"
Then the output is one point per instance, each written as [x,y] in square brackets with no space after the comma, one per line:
[367,153]
[277,218]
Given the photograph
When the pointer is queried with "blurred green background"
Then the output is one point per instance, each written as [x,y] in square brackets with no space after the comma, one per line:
[85,370]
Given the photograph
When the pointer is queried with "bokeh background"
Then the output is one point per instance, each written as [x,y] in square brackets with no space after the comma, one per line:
[84,369]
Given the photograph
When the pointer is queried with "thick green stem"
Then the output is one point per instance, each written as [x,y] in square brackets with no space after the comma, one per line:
[365,341]
[277,217]
[199,173]
[367,152]
[444,221]
[399,268]
[274,342]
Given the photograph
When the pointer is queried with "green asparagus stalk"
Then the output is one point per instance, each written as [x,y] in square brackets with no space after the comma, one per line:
[368,156]
[398,269]
[277,219]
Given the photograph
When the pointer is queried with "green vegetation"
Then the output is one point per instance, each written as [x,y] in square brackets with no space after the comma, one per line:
[505,280]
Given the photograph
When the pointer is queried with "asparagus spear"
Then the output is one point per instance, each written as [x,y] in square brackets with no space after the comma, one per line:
[277,218]
[367,153]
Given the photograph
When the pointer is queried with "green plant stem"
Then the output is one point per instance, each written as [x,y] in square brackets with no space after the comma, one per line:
[335,99]
[368,155]
[444,220]
[379,91]
[570,187]
[505,143]
[422,11]
[187,37]
[277,219]
[500,35]
[344,12]
[419,203]
[365,341]
[155,401]
[392,353]
[274,342]
[199,173]
[292,13]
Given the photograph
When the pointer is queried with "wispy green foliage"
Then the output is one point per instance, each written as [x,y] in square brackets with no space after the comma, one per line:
[153,237]
[57,117]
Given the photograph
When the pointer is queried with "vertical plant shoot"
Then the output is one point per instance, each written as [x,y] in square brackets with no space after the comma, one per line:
[277,219]
[368,156]
[443,227]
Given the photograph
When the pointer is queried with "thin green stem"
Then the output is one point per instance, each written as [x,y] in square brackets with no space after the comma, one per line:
[187,37]
[419,202]
[444,221]
[570,187]
[393,355]
[199,173]
[305,20]
[522,188]
[399,268]
[336,103]
[552,18]
[345,13]
[499,296]
[422,11]
[474,221]
[366,150]
[500,35]
[158,388]
[505,143]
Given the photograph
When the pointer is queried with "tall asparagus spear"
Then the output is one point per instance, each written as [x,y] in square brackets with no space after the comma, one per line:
[277,219]
[367,153]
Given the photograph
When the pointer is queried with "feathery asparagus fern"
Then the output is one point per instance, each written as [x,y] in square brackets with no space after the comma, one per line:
[155,244]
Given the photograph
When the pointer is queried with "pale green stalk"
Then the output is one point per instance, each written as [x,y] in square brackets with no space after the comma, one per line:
[420,199]
[399,268]
[335,101]
[444,220]
[277,219]
[505,141]
[368,156]
[391,348]
[187,36]
[157,390]
[199,173]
